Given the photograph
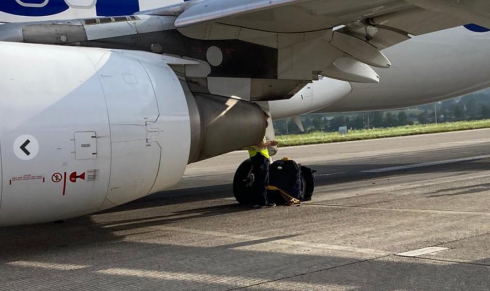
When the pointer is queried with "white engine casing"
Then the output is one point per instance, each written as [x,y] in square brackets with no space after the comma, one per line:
[312,97]
[102,115]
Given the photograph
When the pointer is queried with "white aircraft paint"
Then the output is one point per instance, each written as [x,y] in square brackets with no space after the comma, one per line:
[108,132]
[316,95]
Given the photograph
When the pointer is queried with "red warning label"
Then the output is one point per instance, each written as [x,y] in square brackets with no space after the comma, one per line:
[57,177]
[74,177]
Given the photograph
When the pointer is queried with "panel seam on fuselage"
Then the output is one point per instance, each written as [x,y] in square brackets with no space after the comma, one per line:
[108,123]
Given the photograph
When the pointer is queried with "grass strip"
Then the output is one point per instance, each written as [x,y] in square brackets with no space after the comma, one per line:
[364,134]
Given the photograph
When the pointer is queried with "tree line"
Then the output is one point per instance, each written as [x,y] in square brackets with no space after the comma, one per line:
[472,107]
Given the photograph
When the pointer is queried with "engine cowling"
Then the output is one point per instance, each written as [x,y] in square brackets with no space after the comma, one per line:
[312,97]
[82,130]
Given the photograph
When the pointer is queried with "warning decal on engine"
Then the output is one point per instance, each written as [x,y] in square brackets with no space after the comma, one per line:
[57,177]
[27,177]
[72,177]
[92,175]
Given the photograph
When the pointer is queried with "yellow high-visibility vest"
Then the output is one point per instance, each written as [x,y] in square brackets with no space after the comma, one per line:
[254,150]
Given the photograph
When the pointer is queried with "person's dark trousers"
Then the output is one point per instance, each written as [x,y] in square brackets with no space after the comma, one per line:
[261,175]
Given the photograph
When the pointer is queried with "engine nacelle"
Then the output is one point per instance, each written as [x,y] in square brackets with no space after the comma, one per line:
[82,130]
[427,69]
[312,97]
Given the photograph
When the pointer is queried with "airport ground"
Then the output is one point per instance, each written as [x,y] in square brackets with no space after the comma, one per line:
[409,213]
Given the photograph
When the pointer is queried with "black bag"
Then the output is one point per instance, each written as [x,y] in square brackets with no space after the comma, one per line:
[286,175]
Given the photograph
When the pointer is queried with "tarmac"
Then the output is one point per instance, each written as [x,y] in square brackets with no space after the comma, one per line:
[408,213]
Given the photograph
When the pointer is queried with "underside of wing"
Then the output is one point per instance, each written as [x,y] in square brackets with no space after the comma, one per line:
[473,11]
[296,16]
[253,49]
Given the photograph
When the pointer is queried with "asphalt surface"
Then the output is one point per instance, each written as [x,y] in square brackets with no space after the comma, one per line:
[409,213]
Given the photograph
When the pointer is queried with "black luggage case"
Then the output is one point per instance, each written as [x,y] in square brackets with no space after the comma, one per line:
[286,175]
[283,174]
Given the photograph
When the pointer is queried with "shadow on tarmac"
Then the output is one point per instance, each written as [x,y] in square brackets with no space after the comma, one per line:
[179,267]
[350,173]
[91,242]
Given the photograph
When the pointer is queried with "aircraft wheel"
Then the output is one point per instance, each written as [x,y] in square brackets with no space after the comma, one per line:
[242,182]
[308,183]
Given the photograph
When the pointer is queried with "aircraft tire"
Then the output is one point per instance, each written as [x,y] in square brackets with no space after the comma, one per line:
[308,182]
[242,183]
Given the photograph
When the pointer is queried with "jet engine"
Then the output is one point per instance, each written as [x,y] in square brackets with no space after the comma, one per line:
[83,130]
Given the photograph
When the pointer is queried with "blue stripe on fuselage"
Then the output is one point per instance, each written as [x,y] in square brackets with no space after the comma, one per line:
[117,7]
[476,28]
[51,8]
[103,7]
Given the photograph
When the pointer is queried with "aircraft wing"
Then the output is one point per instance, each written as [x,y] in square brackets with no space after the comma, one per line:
[222,19]
[473,11]
[304,31]
[261,49]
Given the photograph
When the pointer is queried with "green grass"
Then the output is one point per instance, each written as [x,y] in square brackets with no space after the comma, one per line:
[329,137]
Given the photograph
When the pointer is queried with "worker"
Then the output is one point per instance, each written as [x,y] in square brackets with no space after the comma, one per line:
[259,155]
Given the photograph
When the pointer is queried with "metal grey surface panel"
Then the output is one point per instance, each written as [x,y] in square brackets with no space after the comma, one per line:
[476,11]
[286,15]
[226,124]
[54,33]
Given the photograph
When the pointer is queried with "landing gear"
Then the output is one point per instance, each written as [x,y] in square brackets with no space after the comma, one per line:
[242,183]
[308,177]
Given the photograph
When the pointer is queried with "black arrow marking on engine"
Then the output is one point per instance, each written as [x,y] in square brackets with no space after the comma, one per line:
[23,147]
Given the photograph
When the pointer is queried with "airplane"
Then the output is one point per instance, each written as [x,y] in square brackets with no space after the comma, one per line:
[114,108]
[429,68]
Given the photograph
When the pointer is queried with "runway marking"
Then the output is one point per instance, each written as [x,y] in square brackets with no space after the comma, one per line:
[279,241]
[420,252]
[330,174]
[399,209]
[51,266]
[232,281]
[428,164]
